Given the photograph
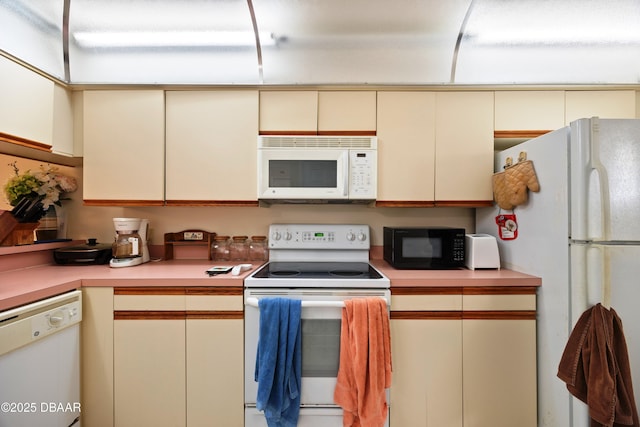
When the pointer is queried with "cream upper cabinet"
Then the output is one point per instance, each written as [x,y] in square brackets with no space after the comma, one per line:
[63,140]
[346,111]
[406,146]
[124,145]
[529,110]
[26,110]
[211,145]
[464,146]
[311,112]
[289,111]
[606,104]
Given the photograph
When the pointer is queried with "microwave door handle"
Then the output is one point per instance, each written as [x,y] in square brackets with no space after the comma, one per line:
[253,302]
[345,186]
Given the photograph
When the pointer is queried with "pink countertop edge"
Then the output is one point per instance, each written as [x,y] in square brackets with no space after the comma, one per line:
[22,286]
[18,287]
[461,277]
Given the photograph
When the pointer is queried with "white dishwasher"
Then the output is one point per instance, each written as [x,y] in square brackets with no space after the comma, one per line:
[40,363]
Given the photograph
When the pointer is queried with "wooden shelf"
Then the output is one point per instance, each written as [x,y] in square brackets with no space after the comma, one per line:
[190,237]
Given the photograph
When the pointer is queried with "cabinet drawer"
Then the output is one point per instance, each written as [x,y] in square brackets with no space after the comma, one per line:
[499,302]
[213,302]
[426,303]
[149,302]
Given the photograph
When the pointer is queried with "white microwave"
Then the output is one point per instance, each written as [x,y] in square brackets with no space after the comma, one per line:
[315,169]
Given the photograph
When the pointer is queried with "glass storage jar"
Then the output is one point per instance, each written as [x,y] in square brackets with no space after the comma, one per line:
[220,248]
[258,248]
[239,248]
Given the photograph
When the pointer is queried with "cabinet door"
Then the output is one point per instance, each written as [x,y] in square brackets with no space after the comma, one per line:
[97,357]
[124,145]
[499,365]
[211,145]
[149,373]
[215,360]
[215,366]
[62,122]
[529,110]
[426,388]
[606,104]
[406,146]
[289,111]
[464,146]
[350,111]
[26,110]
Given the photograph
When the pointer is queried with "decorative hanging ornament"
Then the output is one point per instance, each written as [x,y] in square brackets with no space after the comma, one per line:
[507,226]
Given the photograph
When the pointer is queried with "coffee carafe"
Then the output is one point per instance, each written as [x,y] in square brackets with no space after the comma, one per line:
[130,245]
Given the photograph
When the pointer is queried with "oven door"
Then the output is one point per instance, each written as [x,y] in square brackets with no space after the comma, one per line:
[321,324]
[303,174]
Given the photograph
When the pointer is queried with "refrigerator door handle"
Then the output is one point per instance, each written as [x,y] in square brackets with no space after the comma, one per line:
[603,195]
[598,276]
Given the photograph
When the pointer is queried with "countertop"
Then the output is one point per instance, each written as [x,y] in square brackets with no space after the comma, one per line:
[22,286]
[25,285]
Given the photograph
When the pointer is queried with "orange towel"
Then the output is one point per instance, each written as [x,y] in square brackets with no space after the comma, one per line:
[365,363]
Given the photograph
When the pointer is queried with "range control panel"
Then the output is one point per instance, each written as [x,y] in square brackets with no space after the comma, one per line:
[319,236]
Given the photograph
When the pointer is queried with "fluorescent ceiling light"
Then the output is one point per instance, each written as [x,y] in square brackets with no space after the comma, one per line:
[123,39]
[552,36]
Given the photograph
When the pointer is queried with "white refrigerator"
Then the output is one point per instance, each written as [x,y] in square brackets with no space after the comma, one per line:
[581,234]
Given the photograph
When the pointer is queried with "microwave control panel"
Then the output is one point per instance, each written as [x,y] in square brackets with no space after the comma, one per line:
[363,167]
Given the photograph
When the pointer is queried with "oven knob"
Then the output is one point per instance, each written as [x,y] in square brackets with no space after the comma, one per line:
[276,235]
[362,237]
[287,236]
[351,237]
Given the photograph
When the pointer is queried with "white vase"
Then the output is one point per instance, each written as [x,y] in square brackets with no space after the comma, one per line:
[61,217]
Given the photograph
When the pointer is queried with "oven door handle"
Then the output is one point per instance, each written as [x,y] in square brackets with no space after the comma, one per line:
[253,302]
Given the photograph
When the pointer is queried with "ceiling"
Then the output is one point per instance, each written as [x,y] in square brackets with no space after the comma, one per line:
[334,42]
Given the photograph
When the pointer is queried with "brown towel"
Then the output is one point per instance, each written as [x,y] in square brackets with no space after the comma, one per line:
[595,366]
[365,363]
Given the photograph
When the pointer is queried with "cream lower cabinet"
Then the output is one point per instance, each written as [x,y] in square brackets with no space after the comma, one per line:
[499,365]
[167,356]
[463,360]
[426,346]
[97,356]
[149,372]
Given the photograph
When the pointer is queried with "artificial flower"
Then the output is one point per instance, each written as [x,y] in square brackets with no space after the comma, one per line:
[48,184]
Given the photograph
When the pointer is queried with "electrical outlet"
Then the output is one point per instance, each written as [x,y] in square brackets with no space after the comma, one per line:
[193,235]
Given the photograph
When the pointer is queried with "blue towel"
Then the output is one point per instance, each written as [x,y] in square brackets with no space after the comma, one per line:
[279,361]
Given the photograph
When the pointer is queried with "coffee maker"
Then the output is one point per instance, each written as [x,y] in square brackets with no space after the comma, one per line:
[130,246]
